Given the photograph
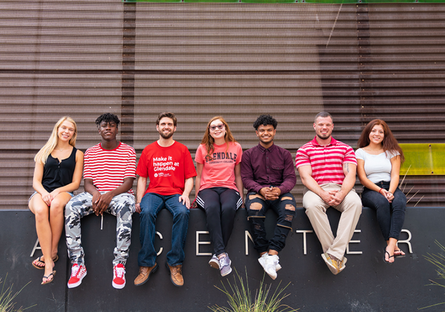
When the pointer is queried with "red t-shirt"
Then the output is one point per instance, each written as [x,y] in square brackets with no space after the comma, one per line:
[220,170]
[166,167]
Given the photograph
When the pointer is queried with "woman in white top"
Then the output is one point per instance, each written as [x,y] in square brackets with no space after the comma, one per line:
[379,158]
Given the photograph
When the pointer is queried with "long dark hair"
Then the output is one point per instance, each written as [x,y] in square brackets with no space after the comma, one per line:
[389,142]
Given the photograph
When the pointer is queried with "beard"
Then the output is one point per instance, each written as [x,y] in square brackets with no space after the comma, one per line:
[323,137]
[166,136]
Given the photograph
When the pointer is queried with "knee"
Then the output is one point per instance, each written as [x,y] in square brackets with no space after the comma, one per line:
[255,209]
[286,215]
[70,207]
[182,212]
[126,211]
[228,210]
[147,213]
[41,214]
[313,203]
[212,208]
[56,206]
[399,200]
[353,201]
[313,208]
[289,212]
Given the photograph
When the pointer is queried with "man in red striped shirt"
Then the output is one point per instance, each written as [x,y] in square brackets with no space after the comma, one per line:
[109,172]
[327,168]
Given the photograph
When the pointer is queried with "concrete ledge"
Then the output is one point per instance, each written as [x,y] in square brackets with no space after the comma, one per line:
[367,284]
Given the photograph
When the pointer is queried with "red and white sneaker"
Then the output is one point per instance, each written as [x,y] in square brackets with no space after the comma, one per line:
[78,272]
[119,276]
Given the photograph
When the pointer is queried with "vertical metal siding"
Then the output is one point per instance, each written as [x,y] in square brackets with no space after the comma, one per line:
[84,58]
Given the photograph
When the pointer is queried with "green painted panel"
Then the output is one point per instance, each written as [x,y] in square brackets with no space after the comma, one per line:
[154,1]
[289,1]
[423,159]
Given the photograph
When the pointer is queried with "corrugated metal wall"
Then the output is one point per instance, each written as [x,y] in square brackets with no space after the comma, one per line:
[84,58]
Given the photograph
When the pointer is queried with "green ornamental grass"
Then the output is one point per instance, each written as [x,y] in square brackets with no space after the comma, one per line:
[7,297]
[240,298]
[438,260]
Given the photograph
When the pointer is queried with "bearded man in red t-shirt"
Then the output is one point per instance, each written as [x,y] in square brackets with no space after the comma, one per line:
[169,167]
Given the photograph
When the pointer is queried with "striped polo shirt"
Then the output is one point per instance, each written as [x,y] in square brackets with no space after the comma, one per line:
[326,161]
[109,168]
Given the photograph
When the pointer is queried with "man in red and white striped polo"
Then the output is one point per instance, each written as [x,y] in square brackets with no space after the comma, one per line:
[327,168]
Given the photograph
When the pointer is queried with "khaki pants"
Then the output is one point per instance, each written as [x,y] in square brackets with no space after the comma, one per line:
[350,208]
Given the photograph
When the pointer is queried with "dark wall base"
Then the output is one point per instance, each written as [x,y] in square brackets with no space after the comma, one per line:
[367,283]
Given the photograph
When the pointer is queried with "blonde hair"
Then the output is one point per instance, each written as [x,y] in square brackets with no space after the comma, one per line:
[51,144]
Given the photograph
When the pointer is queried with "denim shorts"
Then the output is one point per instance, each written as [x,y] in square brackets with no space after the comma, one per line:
[71,193]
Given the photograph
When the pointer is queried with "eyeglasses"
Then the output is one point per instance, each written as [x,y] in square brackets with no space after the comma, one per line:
[220,127]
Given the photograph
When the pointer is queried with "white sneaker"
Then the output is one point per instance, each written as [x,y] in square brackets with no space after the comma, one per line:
[269,264]
[225,265]
[214,262]
[262,261]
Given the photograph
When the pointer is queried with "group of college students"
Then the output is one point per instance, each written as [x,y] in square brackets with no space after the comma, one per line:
[327,168]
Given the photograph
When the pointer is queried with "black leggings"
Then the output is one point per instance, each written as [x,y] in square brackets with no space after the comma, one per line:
[220,205]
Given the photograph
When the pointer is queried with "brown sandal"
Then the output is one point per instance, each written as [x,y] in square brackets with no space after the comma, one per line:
[40,264]
[48,280]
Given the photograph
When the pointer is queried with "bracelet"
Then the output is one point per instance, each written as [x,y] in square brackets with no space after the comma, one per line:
[380,191]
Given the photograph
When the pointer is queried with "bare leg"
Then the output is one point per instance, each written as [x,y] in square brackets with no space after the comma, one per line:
[57,220]
[43,229]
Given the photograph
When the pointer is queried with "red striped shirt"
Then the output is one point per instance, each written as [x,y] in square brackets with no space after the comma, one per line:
[109,168]
[326,161]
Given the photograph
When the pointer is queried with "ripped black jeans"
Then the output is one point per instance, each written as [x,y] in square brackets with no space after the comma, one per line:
[257,207]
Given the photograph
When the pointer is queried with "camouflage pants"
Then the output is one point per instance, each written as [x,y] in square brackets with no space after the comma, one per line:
[121,206]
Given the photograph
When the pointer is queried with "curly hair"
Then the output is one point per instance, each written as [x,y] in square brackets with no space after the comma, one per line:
[389,142]
[208,140]
[107,117]
[265,120]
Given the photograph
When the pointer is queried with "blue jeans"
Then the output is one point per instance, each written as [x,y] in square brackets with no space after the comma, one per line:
[390,216]
[151,204]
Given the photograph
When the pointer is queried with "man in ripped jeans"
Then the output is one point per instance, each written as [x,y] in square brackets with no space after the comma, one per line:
[268,175]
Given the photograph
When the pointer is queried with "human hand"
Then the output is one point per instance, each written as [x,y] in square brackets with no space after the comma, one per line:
[54,194]
[276,192]
[47,199]
[388,195]
[337,197]
[185,200]
[268,193]
[326,197]
[104,202]
[137,207]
